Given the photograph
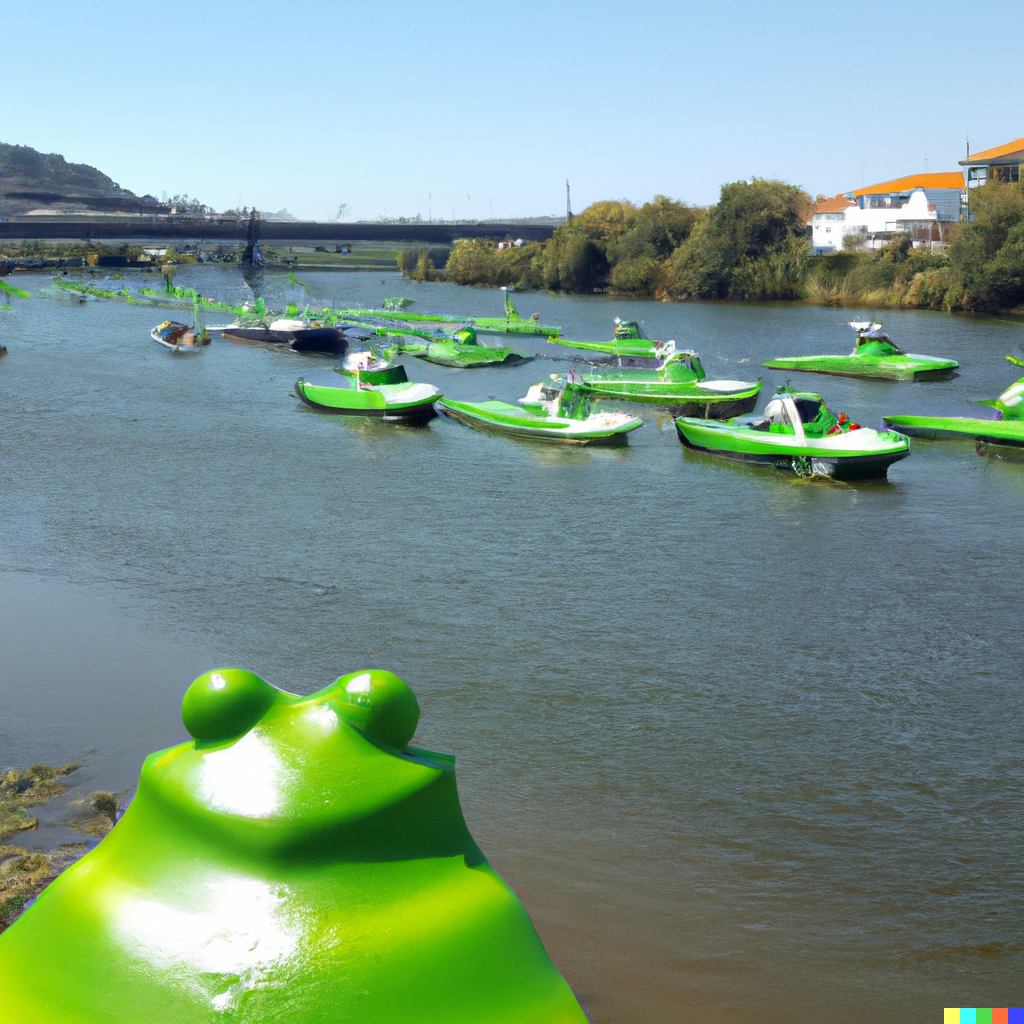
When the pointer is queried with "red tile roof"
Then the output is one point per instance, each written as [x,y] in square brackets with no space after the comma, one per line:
[836,205]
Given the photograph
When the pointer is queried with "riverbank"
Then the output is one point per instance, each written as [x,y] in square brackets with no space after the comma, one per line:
[755,245]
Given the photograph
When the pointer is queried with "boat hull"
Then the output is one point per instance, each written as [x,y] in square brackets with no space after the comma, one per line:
[808,459]
[376,403]
[901,367]
[681,399]
[478,356]
[478,416]
[1002,432]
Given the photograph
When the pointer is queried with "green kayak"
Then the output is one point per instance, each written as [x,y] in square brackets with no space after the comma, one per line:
[349,395]
[797,431]
[678,381]
[874,355]
[295,861]
[629,340]
[551,413]
[1004,426]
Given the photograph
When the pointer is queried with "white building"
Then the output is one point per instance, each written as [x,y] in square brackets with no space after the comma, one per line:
[921,205]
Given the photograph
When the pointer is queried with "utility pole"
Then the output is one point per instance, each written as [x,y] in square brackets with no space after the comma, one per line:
[967,191]
[430,208]
[568,204]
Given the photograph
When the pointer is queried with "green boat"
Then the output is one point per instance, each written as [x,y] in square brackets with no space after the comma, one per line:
[295,861]
[629,340]
[395,311]
[1003,426]
[874,355]
[551,413]
[348,394]
[678,381]
[460,349]
[797,431]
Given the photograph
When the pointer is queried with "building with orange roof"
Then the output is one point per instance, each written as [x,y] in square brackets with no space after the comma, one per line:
[921,205]
[1004,163]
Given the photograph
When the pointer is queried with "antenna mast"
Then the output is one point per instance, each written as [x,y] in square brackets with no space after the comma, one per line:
[568,204]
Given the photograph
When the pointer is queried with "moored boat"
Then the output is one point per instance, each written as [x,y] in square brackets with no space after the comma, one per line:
[677,381]
[1002,424]
[629,340]
[554,414]
[179,337]
[403,402]
[874,356]
[463,350]
[798,432]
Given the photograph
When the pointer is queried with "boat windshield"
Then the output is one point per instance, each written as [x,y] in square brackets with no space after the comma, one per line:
[807,408]
[629,330]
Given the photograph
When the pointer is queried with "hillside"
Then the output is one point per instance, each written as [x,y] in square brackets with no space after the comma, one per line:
[30,180]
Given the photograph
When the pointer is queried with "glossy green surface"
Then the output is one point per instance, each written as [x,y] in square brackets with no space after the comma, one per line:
[871,359]
[297,864]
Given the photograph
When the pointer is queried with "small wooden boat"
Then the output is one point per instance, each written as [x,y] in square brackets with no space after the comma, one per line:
[179,337]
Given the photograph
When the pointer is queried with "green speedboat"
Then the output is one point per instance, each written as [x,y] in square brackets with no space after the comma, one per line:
[678,381]
[461,349]
[549,412]
[629,340]
[874,355]
[350,395]
[1003,426]
[797,431]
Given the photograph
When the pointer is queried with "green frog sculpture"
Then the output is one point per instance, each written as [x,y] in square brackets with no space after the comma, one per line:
[296,862]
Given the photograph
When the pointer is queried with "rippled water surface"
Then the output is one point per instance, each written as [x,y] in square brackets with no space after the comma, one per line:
[748,747]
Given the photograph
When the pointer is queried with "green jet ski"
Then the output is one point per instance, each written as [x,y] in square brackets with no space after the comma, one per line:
[874,355]
[460,349]
[629,340]
[677,380]
[1003,426]
[385,393]
[560,413]
[296,861]
[797,431]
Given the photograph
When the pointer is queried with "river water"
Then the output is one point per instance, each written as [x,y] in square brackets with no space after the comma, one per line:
[748,747]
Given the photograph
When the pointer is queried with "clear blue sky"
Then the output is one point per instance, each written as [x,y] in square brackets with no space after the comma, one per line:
[309,104]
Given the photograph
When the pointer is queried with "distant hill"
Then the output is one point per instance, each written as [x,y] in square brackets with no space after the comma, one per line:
[30,180]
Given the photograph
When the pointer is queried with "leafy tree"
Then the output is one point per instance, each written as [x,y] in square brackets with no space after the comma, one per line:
[751,219]
[987,255]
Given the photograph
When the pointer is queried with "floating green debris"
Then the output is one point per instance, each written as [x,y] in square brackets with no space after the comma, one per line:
[18,293]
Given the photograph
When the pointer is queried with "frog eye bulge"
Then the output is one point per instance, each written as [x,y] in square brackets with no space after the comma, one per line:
[379,705]
[225,703]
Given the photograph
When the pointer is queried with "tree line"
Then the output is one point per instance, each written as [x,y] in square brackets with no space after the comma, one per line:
[754,244]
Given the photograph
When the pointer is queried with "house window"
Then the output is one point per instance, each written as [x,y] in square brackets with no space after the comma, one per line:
[1008,173]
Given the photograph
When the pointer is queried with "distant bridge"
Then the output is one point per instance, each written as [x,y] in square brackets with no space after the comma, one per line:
[148,230]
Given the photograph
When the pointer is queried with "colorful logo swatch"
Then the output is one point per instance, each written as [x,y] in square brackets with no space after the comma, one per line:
[983,1015]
